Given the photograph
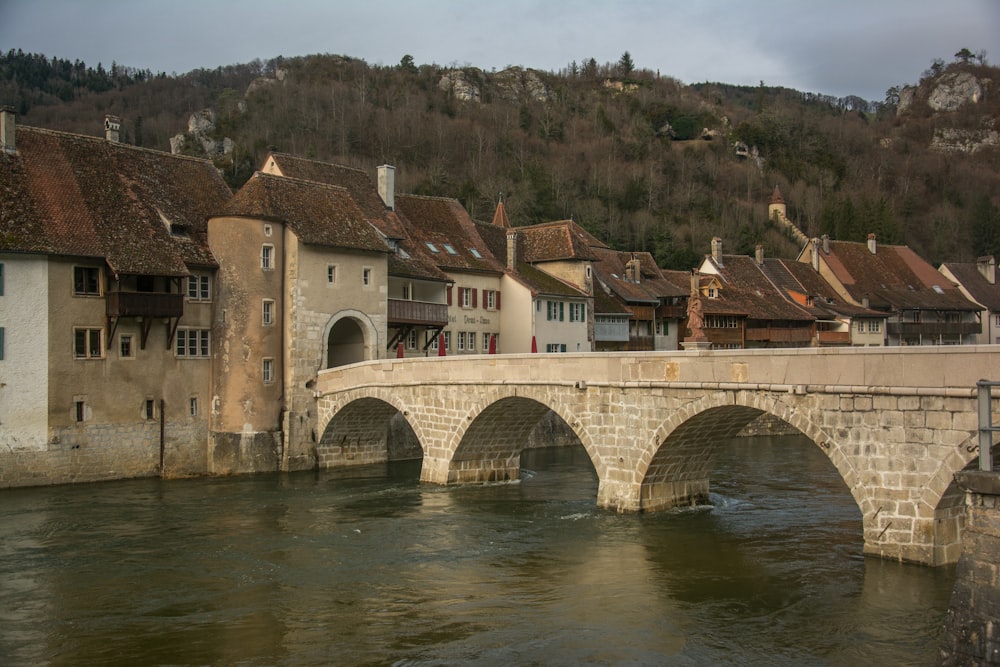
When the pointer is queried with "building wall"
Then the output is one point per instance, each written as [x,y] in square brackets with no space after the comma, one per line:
[244,406]
[24,378]
[478,321]
[575,272]
[517,317]
[571,334]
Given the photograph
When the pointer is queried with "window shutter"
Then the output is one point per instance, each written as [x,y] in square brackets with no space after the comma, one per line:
[562,309]
[448,290]
[498,300]
[475,293]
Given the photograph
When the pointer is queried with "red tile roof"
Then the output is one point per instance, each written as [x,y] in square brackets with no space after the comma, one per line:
[979,288]
[143,211]
[444,227]
[553,241]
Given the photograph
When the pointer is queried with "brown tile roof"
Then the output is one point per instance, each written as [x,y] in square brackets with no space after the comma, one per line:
[611,271]
[538,281]
[983,291]
[143,211]
[894,277]
[446,230]
[500,217]
[319,214]
[552,241]
[746,285]
[415,260]
[791,276]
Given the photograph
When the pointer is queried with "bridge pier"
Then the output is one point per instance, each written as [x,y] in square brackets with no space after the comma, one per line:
[469,471]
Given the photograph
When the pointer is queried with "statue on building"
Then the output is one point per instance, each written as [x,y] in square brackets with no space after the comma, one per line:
[695,312]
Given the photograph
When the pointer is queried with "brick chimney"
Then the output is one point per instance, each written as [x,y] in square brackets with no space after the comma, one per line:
[826,244]
[512,251]
[387,185]
[988,268]
[8,122]
[717,250]
[112,124]
[871,244]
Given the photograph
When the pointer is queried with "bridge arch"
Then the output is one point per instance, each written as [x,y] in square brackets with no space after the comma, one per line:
[358,427]
[490,445]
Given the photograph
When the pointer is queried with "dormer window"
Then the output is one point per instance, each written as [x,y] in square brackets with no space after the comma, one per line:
[713,293]
[180,231]
[393,244]
[432,247]
[450,250]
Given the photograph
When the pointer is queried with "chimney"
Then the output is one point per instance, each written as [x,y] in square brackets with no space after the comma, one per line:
[759,254]
[988,268]
[871,243]
[387,185]
[826,244]
[8,124]
[632,271]
[815,255]
[865,301]
[717,250]
[695,283]
[111,126]
[512,251]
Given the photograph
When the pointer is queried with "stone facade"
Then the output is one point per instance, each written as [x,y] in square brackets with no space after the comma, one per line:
[897,428]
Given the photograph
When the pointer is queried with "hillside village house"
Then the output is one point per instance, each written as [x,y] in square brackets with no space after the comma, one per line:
[303,288]
[921,306]
[108,287]
[978,282]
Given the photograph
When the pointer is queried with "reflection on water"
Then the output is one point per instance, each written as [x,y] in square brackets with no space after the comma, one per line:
[371,567]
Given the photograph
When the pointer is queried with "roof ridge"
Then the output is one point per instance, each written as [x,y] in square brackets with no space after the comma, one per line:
[115,144]
[312,161]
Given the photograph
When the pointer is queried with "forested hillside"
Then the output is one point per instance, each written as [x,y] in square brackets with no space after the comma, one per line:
[639,159]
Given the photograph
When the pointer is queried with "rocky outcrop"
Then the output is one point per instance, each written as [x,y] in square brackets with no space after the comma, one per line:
[953,90]
[465,85]
[519,85]
[201,127]
[954,140]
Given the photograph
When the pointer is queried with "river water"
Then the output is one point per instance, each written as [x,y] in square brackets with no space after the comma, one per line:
[370,567]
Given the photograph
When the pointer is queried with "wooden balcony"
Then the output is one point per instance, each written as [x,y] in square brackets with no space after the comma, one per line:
[934,328]
[144,304]
[833,337]
[417,312]
[779,334]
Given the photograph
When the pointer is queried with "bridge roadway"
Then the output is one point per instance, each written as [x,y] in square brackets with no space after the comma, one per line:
[896,423]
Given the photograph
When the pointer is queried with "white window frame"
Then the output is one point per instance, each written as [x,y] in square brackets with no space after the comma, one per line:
[366,276]
[267,312]
[199,287]
[471,342]
[331,274]
[200,338]
[465,297]
[267,370]
[267,256]
[411,340]
[490,299]
[193,406]
[89,351]
[461,341]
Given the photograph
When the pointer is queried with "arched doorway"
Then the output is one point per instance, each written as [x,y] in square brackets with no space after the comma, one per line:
[345,343]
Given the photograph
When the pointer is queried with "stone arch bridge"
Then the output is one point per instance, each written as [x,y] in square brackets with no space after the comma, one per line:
[896,423]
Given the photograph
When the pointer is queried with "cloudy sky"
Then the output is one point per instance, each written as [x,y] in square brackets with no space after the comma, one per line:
[842,47]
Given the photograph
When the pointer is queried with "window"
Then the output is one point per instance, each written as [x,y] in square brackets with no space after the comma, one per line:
[461,341]
[874,326]
[199,288]
[490,299]
[193,406]
[149,409]
[432,247]
[125,348]
[411,340]
[79,410]
[267,229]
[475,253]
[472,341]
[331,274]
[86,280]
[721,322]
[996,320]
[555,310]
[433,344]
[193,343]
[465,296]
[407,292]
[267,257]
[662,328]
[577,312]
[447,339]
[449,249]
[713,293]
[486,342]
[267,314]
[555,347]
[88,343]
[366,277]
[267,371]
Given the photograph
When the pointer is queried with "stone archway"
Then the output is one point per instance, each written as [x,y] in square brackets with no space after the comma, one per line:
[350,338]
